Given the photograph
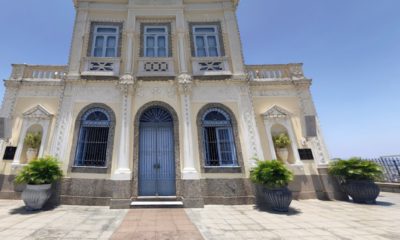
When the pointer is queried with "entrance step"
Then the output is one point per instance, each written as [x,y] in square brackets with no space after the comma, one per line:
[156,204]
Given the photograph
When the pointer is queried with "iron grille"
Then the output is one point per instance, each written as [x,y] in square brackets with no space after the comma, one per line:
[93,139]
[218,139]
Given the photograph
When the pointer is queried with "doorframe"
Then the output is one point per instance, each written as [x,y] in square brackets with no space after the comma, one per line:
[171,110]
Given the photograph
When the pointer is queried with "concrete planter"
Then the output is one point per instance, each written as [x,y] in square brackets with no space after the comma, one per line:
[31,154]
[279,199]
[362,191]
[35,196]
[283,154]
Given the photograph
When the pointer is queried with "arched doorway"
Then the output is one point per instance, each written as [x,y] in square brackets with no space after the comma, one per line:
[156,153]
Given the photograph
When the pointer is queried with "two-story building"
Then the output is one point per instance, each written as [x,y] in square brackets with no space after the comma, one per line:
[157,102]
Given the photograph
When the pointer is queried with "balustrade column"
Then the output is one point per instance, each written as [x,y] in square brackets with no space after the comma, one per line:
[189,170]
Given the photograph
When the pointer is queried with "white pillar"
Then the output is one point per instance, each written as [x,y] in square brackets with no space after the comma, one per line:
[189,170]
[235,47]
[77,40]
[123,171]
[180,23]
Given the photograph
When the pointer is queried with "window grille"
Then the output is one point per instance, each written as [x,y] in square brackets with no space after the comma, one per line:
[218,140]
[93,139]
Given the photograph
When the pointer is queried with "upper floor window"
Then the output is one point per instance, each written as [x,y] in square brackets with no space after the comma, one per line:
[105,41]
[156,41]
[206,41]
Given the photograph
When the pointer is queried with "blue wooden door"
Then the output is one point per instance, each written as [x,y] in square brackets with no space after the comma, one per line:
[156,154]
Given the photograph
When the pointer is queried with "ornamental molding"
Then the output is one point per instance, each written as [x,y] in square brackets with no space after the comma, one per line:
[38,112]
[185,83]
[276,112]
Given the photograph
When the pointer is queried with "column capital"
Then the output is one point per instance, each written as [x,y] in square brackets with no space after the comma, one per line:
[185,83]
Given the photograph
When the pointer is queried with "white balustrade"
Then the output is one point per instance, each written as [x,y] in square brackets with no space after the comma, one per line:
[149,67]
[101,67]
[210,66]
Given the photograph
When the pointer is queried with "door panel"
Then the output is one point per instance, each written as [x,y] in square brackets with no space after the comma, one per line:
[148,160]
[156,160]
[165,157]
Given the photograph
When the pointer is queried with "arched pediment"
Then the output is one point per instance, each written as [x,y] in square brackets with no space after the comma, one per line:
[38,112]
[276,112]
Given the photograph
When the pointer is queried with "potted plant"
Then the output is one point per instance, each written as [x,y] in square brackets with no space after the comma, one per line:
[32,141]
[39,174]
[357,177]
[281,142]
[274,176]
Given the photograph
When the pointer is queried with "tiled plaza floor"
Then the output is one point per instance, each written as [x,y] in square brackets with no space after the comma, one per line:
[157,224]
[63,222]
[308,219]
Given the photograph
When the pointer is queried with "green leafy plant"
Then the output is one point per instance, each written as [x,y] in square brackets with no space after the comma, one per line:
[33,139]
[355,169]
[40,171]
[271,174]
[282,140]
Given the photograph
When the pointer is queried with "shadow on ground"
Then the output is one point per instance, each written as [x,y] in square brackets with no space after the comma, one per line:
[265,208]
[23,211]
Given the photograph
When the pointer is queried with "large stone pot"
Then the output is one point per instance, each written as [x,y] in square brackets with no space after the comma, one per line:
[31,154]
[362,191]
[279,199]
[283,154]
[35,196]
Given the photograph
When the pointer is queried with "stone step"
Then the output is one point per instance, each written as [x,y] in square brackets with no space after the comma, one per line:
[156,204]
[157,199]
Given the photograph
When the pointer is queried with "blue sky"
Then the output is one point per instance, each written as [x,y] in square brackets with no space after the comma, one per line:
[350,48]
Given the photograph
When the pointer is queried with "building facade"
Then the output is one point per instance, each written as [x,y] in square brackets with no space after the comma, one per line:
[156,101]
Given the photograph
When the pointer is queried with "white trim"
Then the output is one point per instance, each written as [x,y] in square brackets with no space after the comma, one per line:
[106,36]
[205,35]
[156,36]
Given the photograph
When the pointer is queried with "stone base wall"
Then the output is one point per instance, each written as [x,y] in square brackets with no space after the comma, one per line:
[389,187]
[194,193]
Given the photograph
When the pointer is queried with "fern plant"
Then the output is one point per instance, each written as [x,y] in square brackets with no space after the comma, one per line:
[355,169]
[33,140]
[40,171]
[282,140]
[271,174]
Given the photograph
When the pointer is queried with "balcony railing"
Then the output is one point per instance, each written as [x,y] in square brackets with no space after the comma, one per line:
[108,67]
[275,72]
[37,72]
[210,66]
[149,67]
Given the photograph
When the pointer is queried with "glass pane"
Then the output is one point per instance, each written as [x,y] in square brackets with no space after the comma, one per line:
[150,52]
[97,116]
[106,30]
[162,52]
[212,41]
[110,52]
[213,52]
[98,52]
[161,42]
[215,116]
[99,41]
[199,41]
[111,42]
[204,30]
[155,30]
[150,42]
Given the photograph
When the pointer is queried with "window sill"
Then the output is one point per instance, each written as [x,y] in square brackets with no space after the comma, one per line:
[223,169]
[97,170]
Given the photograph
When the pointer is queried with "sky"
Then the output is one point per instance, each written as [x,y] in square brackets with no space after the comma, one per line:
[350,48]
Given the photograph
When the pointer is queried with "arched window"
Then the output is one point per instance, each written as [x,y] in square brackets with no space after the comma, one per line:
[218,140]
[93,138]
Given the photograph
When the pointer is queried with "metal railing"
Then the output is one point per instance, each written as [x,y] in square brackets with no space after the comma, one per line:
[390,166]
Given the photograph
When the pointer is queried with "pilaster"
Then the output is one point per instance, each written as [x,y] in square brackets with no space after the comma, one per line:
[127,87]
[185,83]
